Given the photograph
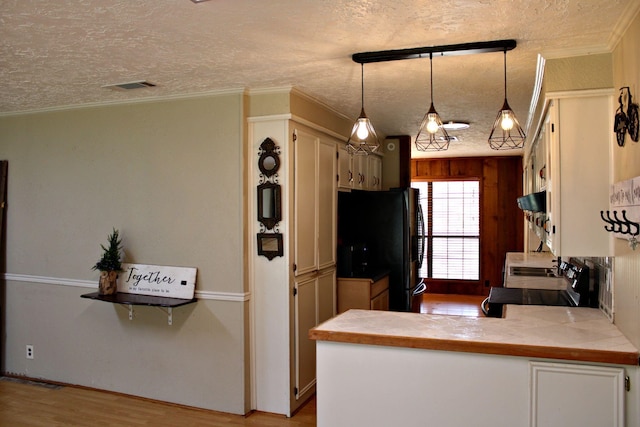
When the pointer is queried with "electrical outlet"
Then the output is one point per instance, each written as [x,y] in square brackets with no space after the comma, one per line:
[29,352]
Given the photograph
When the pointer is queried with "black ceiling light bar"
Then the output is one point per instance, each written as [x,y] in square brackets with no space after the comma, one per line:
[424,52]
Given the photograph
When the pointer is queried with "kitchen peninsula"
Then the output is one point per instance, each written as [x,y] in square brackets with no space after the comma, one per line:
[391,368]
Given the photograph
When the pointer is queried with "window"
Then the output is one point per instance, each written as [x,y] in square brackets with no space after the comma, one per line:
[452,226]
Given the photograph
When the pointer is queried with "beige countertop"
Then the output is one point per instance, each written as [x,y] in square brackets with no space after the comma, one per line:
[531,259]
[567,333]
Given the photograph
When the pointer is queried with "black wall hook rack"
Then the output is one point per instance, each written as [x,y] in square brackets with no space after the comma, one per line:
[620,226]
[425,52]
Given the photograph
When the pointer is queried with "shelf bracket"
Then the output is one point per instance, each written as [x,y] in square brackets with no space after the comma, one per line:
[164,304]
[169,312]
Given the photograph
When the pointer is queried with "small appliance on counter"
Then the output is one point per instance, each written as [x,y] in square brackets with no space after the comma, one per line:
[581,291]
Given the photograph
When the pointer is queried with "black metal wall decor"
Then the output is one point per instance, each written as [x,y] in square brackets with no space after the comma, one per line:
[269,201]
[626,121]
[269,205]
[623,221]
[269,160]
[622,225]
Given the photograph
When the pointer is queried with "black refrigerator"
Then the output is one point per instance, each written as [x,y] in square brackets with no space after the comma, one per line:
[381,231]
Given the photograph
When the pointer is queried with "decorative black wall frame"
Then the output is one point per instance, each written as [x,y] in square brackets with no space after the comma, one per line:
[269,204]
[270,245]
[269,200]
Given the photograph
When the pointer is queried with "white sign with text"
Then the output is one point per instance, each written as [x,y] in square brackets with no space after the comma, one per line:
[156,280]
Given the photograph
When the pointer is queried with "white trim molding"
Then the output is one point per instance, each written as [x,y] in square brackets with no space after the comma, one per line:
[158,98]
[93,284]
[50,280]
[224,296]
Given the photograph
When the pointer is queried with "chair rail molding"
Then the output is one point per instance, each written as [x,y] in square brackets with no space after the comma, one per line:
[204,295]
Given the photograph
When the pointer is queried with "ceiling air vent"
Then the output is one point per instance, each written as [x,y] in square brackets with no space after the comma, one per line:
[450,137]
[130,85]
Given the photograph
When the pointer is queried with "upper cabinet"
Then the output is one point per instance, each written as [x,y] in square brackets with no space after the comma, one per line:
[535,180]
[577,134]
[345,168]
[374,176]
[314,201]
[359,172]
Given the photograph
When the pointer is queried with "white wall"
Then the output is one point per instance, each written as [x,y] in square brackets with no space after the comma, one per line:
[271,285]
[170,176]
[626,165]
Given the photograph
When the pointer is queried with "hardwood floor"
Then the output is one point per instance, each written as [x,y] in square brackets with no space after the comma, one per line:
[451,304]
[35,404]
[24,403]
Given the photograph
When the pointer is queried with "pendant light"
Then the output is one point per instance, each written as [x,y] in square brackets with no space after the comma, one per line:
[432,136]
[506,134]
[363,139]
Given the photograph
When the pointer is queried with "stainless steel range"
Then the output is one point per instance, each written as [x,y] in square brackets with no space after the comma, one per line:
[580,290]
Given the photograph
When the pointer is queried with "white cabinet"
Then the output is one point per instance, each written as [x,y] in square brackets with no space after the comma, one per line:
[314,303]
[314,207]
[305,208]
[314,247]
[579,137]
[359,172]
[452,389]
[326,240]
[569,395]
[346,178]
[535,180]
[374,176]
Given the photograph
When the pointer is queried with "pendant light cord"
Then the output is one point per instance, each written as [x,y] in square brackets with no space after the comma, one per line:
[431,74]
[362,84]
[505,74]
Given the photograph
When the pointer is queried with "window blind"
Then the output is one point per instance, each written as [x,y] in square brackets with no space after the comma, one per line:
[452,216]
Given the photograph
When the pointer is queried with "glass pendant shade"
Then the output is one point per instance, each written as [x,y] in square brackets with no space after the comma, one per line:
[432,136]
[363,139]
[506,133]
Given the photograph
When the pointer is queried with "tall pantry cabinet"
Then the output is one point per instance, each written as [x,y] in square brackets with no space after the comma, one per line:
[315,234]
[292,293]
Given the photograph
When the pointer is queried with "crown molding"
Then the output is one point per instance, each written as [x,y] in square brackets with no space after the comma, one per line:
[627,17]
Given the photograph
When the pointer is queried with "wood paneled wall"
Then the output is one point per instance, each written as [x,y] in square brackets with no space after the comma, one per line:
[501,221]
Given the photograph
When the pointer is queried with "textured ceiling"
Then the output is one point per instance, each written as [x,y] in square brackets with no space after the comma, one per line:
[61,53]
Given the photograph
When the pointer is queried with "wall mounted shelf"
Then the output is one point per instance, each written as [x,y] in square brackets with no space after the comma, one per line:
[135,299]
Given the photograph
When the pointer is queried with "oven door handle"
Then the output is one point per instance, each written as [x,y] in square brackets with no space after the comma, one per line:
[484,306]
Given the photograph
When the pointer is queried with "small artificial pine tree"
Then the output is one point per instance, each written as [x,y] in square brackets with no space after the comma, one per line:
[110,260]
